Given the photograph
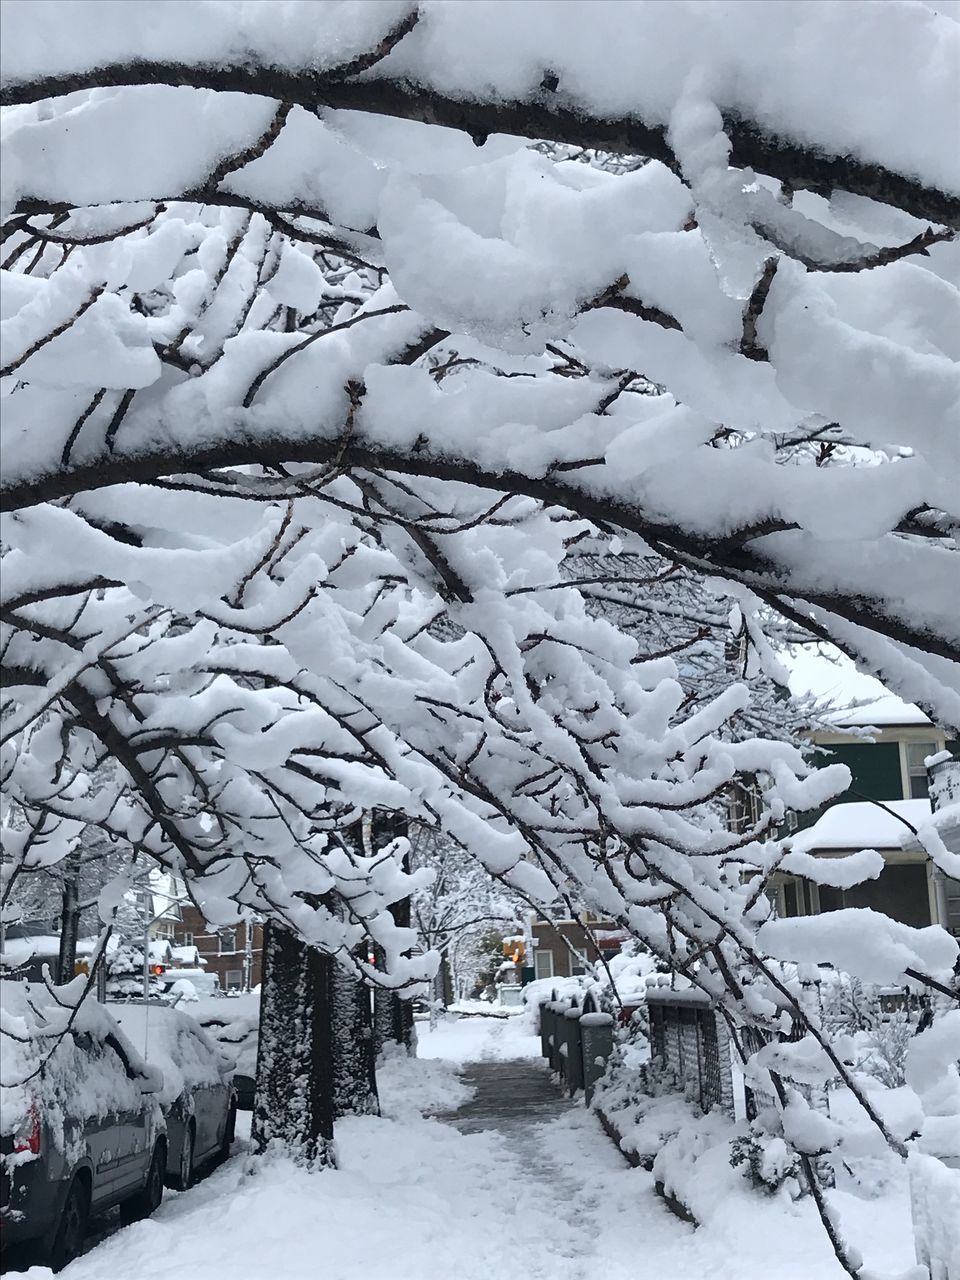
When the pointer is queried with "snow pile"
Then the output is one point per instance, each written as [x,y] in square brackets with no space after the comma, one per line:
[642,1122]
[412,1086]
[935,1201]
[691,1159]
[933,1070]
[629,971]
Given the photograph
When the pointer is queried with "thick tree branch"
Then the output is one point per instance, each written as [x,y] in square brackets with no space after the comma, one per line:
[548,116]
[728,557]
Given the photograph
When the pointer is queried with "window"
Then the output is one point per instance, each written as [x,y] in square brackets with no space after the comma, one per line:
[793,904]
[900,892]
[916,769]
[234,979]
[187,939]
[578,962]
[227,941]
[542,963]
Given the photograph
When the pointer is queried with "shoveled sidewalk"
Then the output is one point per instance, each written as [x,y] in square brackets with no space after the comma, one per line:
[508,1096]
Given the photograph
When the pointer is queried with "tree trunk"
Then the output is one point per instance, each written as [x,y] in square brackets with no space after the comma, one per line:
[403,1027]
[386,827]
[69,920]
[294,1099]
[354,1059]
[383,1002]
[393,1017]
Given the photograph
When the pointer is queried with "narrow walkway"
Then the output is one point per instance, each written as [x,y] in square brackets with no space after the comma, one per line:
[569,1201]
[508,1095]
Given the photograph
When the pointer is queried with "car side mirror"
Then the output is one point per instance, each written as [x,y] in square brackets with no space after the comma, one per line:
[151,1081]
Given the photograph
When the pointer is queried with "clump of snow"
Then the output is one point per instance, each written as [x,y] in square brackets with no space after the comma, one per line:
[861,942]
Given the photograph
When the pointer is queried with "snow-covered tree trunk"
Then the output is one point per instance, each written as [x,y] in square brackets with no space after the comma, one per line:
[385,1004]
[294,1098]
[402,1030]
[354,1060]
[394,1015]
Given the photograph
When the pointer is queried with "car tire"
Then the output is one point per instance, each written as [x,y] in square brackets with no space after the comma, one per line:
[183,1179]
[148,1198]
[72,1227]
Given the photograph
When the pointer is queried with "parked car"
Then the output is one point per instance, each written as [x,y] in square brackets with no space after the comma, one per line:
[198,1097]
[206,984]
[81,1127]
[234,1022]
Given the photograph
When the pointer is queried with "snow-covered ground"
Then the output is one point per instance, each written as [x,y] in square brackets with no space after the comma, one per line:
[478,1039]
[414,1199]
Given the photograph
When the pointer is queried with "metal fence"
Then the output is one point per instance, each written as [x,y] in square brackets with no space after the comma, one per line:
[576,1040]
[689,1038]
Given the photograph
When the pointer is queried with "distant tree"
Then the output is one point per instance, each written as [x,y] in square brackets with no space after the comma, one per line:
[456,909]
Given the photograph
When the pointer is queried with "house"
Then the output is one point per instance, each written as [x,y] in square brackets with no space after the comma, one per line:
[160,901]
[564,946]
[884,742]
[234,954]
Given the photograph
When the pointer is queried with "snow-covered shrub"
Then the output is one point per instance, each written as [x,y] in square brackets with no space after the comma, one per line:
[766,1161]
[881,1023]
[886,1045]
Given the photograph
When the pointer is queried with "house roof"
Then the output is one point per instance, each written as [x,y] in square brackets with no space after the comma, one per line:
[851,699]
[44,946]
[863,825]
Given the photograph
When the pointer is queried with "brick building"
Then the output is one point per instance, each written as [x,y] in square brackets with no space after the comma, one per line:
[228,952]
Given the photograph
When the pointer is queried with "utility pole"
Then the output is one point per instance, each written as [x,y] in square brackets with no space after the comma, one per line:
[247,953]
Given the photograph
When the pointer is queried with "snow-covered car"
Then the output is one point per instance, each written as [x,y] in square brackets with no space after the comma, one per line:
[206,984]
[81,1127]
[198,1097]
[234,1022]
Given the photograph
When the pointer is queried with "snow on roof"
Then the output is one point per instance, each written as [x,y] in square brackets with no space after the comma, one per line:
[187,956]
[828,675]
[45,946]
[159,950]
[863,825]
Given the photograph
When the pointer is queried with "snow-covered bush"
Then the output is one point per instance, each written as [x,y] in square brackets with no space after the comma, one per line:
[766,1161]
[881,1023]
